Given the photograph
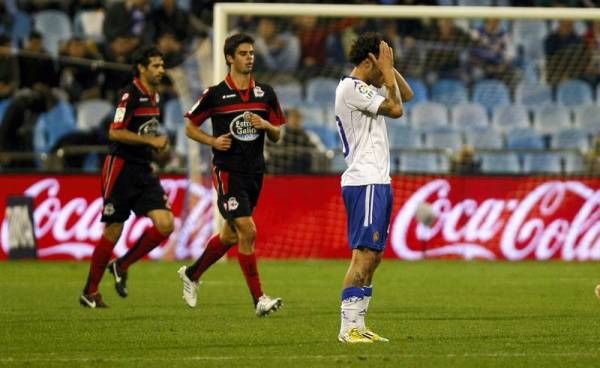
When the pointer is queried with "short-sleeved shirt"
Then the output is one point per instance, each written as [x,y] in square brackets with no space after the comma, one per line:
[225,105]
[363,133]
[138,112]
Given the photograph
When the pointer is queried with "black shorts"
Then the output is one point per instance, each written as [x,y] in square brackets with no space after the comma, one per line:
[237,193]
[129,186]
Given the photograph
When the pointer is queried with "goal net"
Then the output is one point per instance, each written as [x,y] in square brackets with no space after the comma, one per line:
[497,89]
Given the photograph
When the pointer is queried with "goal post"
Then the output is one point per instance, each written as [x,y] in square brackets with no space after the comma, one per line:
[223,10]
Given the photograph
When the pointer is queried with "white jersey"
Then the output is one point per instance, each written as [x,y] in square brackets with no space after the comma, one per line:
[363,133]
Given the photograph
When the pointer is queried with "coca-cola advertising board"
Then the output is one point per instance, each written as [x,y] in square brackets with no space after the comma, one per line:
[68,208]
[491,218]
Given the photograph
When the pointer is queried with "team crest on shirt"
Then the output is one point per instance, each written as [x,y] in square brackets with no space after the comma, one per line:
[149,128]
[258,92]
[109,209]
[119,115]
[376,236]
[232,204]
[242,129]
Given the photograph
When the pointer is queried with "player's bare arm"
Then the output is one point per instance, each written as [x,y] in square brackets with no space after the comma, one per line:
[273,132]
[220,143]
[392,105]
[159,143]
[406,93]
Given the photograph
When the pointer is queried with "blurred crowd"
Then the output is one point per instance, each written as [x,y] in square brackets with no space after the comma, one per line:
[55,52]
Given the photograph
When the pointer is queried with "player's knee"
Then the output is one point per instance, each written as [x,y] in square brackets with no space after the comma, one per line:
[165,225]
[113,231]
[249,234]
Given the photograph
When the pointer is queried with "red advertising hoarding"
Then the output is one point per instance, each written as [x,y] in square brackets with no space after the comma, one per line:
[494,218]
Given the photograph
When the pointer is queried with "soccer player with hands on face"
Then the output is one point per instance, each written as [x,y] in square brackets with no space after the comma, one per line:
[374,89]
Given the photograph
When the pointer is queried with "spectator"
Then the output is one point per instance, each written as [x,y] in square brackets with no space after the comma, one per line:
[18,123]
[172,31]
[567,55]
[592,39]
[464,162]
[6,21]
[447,48]
[592,158]
[35,64]
[9,69]
[78,76]
[127,25]
[493,54]
[276,49]
[297,148]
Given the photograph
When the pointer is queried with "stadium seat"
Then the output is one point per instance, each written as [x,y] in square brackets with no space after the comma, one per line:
[529,35]
[3,106]
[575,138]
[313,115]
[403,136]
[21,28]
[90,113]
[466,116]
[484,138]
[52,125]
[524,138]
[509,117]
[542,162]
[574,93]
[551,118]
[173,116]
[425,162]
[428,115]
[533,95]
[449,92]
[289,94]
[574,163]
[491,93]
[55,25]
[329,137]
[420,93]
[500,163]
[443,137]
[321,90]
[403,120]
[87,24]
[588,119]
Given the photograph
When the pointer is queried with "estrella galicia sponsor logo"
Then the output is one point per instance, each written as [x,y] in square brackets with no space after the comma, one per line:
[242,129]
[149,128]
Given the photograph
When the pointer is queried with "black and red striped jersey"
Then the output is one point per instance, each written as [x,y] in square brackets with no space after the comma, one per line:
[138,112]
[225,105]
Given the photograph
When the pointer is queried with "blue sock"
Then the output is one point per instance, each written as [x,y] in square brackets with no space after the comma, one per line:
[368,291]
[352,292]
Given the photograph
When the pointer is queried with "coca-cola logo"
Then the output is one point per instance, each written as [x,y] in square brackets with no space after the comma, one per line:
[534,226]
[72,225]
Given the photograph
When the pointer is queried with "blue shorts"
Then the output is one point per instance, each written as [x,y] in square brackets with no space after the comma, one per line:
[369,209]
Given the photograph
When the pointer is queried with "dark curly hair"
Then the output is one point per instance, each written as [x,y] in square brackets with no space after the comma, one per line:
[232,43]
[142,56]
[365,44]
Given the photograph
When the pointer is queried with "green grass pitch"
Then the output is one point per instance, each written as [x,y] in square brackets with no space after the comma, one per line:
[436,314]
